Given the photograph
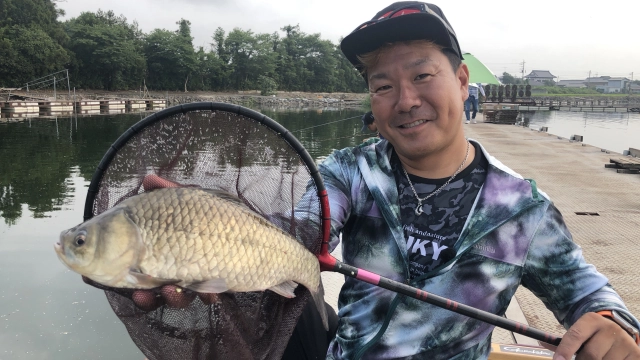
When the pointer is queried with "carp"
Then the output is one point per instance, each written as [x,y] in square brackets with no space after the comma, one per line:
[204,240]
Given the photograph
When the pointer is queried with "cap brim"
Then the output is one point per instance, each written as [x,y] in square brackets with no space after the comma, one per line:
[418,26]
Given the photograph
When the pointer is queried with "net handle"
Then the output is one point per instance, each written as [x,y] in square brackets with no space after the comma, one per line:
[326,260]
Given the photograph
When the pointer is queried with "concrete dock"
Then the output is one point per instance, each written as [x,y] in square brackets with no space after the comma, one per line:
[575,178]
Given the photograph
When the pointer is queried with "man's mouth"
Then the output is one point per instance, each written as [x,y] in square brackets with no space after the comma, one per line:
[415,123]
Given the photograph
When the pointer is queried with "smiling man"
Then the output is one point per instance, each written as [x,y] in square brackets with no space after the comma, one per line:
[430,208]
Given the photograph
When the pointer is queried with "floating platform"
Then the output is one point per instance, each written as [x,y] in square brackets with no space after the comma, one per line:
[47,106]
[113,104]
[156,104]
[19,107]
[136,104]
[87,105]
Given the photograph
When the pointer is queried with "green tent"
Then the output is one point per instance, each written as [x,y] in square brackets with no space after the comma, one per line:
[479,72]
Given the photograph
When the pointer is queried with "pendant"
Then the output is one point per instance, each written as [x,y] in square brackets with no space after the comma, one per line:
[419,209]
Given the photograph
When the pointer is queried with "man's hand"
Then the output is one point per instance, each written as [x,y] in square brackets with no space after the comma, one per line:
[171,295]
[600,338]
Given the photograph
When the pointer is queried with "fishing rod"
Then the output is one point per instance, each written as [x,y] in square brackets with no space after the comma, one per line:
[108,187]
[331,122]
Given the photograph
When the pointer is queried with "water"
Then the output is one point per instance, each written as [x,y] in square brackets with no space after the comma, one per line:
[46,311]
[610,131]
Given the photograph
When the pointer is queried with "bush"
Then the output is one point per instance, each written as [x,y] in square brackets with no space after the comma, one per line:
[268,86]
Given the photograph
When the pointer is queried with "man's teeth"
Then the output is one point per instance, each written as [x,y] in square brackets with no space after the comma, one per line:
[415,123]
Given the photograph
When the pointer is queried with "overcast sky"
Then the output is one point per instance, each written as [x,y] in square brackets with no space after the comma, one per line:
[567,37]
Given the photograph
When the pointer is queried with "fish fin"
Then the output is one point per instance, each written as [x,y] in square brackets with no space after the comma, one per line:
[148,281]
[318,299]
[213,286]
[285,289]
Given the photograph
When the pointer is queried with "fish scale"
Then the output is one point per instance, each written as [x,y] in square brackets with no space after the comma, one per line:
[205,240]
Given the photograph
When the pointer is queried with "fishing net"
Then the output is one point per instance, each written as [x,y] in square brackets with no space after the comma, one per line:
[229,148]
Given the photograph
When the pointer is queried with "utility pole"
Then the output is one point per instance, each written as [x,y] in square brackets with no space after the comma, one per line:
[522,70]
[589,79]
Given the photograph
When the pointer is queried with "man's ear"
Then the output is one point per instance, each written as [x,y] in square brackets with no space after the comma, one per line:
[463,77]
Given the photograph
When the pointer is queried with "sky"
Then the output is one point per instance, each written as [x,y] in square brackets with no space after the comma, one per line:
[572,39]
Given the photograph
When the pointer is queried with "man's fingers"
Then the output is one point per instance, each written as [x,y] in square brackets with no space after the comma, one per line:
[176,296]
[208,299]
[146,300]
[573,339]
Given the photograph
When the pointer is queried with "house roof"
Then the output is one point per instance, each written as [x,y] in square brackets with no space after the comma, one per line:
[618,78]
[540,74]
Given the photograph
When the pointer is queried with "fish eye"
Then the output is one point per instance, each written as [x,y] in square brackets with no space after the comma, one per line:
[80,240]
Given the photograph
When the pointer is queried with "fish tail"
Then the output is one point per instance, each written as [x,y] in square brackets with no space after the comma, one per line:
[318,299]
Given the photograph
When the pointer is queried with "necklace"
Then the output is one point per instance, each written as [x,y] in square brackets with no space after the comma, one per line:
[419,207]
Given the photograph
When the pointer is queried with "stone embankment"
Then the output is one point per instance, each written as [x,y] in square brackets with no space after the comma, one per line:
[253,98]
[303,101]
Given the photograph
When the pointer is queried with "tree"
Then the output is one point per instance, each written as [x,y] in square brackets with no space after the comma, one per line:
[171,58]
[107,51]
[508,78]
[31,41]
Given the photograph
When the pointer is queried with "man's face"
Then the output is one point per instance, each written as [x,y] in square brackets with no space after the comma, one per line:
[417,100]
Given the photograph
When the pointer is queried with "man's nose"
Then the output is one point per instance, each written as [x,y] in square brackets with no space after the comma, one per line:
[408,97]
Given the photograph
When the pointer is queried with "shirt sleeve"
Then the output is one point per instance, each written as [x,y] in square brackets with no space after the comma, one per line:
[335,175]
[557,273]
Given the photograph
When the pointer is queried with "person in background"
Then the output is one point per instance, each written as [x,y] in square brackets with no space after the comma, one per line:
[369,125]
[472,101]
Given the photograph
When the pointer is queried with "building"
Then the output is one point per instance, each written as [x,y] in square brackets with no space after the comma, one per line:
[572,83]
[616,85]
[538,77]
[634,89]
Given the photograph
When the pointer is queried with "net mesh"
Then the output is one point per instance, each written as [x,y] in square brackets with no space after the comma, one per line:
[230,152]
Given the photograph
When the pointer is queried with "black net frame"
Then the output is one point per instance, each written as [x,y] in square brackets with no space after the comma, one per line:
[254,325]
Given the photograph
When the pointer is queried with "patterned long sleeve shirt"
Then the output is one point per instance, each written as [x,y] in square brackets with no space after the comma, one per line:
[513,235]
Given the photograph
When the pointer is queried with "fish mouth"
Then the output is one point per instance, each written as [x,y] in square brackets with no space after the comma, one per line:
[58,247]
[413,124]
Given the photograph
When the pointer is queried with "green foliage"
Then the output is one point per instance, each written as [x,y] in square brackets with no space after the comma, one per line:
[107,51]
[104,51]
[509,79]
[171,58]
[268,86]
[31,41]
[558,90]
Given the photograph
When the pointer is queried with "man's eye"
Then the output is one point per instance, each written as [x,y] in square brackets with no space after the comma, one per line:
[422,76]
[382,88]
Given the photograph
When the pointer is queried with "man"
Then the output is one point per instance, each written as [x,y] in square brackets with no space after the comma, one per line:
[368,125]
[432,209]
[472,101]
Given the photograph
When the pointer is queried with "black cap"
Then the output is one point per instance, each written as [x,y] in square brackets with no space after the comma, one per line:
[367,119]
[401,21]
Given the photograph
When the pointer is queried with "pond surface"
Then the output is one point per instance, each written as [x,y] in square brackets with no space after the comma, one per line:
[610,131]
[46,311]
